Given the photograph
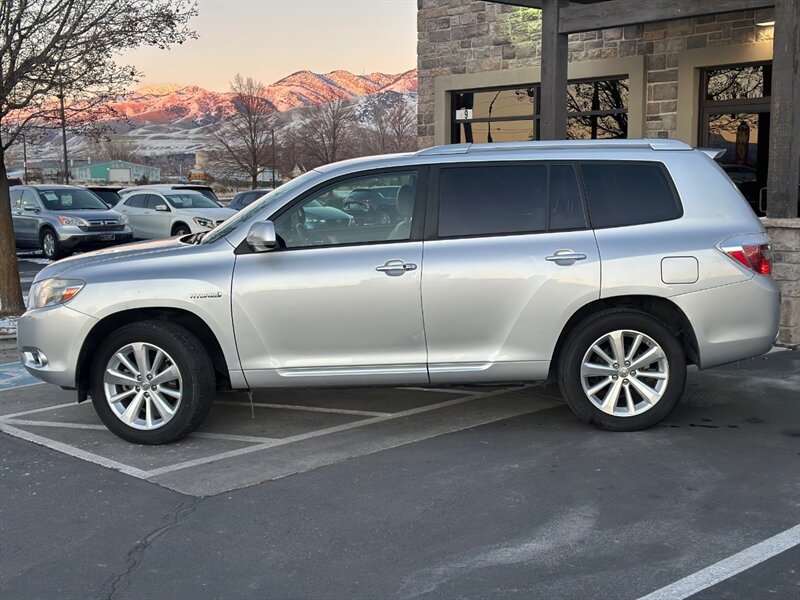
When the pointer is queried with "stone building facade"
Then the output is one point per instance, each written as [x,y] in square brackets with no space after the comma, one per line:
[469,44]
[703,80]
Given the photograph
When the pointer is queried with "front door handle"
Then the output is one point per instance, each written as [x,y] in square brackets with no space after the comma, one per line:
[396,267]
[565,257]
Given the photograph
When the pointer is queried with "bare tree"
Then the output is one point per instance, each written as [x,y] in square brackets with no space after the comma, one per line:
[117,147]
[390,128]
[401,119]
[326,133]
[246,142]
[58,56]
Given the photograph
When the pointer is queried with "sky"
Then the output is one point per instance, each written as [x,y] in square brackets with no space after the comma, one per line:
[269,39]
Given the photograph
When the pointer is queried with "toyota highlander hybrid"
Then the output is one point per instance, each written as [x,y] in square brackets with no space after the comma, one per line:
[607,265]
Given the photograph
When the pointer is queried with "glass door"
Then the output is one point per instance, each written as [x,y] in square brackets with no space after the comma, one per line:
[735,114]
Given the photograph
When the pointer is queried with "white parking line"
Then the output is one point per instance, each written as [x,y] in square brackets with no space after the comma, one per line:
[728,567]
[96,427]
[72,451]
[339,411]
[232,437]
[31,422]
[321,432]
[33,411]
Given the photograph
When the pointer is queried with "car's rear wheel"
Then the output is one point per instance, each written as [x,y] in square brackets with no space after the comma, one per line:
[51,246]
[152,382]
[622,370]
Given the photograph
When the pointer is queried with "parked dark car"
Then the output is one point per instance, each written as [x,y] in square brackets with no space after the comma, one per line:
[62,218]
[242,199]
[108,194]
[373,205]
[315,215]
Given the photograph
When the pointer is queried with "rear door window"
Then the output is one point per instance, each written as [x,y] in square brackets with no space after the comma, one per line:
[630,193]
[137,201]
[492,200]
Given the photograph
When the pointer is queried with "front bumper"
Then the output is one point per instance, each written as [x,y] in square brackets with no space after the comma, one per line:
[57,333]
[95,240]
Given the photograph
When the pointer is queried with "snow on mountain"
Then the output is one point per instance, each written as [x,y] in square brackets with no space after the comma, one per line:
[174,119]
[194,106]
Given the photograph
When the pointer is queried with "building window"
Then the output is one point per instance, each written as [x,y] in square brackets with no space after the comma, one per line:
[596,108]
[495,115]
[735,116]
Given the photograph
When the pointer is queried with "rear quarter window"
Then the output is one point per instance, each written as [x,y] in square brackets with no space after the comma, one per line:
[630,193]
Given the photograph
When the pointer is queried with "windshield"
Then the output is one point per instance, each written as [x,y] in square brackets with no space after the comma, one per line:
[189,200]
[244,215]
[59,199]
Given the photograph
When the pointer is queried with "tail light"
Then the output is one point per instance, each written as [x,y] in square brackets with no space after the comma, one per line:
[756,257]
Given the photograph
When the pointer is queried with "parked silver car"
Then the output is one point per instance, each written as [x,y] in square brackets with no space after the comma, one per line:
[156,213]
[59,219]
[609,265]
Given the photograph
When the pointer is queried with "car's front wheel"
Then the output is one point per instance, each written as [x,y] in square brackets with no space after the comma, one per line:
[51,246]
[622,370]
[181,230]
[152,382]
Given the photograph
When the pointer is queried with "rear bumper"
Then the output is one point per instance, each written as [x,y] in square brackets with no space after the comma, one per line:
[733,322]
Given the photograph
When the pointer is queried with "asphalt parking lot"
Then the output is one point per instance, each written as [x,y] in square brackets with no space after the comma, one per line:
[487,492]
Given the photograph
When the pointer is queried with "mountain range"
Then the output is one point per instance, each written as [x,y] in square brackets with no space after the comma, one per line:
[171,119]
[193,106]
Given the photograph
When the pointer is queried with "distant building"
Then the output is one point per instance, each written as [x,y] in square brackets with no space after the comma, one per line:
[117,171]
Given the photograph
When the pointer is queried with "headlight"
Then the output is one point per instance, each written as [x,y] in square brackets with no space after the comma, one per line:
[77,222]
[53,291]
[123,219]
[204,222]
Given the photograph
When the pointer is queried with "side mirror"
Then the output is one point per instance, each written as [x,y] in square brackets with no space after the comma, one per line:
[262,236]
[30,207]
[162,208]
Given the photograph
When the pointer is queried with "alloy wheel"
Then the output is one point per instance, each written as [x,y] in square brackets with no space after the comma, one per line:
[49,244]
[624,373]
[143,386]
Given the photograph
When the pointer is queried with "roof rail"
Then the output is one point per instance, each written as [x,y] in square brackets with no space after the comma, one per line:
[650,144]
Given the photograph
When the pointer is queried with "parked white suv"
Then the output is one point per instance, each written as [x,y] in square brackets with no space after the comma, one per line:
[156,213]
[609,265]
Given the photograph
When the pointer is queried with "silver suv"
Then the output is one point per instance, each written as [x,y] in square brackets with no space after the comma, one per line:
[61,218]
[609,265]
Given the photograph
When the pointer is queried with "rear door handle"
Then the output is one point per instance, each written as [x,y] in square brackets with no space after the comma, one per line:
[396,267]
[565,257]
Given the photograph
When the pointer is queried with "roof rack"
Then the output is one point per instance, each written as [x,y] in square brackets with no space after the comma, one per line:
[649,144]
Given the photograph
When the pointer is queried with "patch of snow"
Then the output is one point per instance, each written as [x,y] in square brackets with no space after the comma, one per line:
[8,326]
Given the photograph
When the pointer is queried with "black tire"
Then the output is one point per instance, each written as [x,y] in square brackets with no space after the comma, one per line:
[383,217]
[585,334]
[180,229]
[197,374]
[50,244]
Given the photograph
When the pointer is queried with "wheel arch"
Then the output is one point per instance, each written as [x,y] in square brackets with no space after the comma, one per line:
[111,323]
[177,224]
[663,309]
[44,227]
